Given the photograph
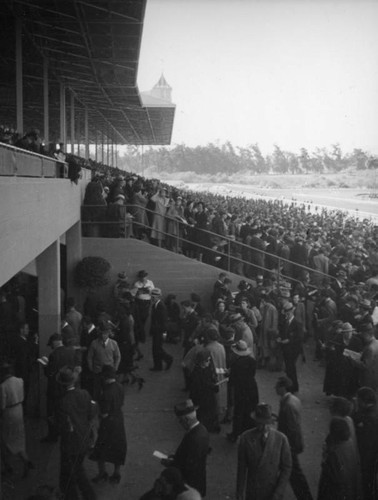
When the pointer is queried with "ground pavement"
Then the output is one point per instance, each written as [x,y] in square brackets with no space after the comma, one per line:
[151,425]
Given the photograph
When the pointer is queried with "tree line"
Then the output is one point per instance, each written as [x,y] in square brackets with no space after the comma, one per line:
[227,159]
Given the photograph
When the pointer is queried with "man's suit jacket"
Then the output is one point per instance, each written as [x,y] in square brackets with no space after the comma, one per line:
[294,333]
[263,473]
[159,318]
[191,456]
[75,412]
[289,421]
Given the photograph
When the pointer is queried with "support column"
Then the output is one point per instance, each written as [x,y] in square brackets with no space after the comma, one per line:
[102,148]
[72,133]
[63,132]
[46,123]
[19,79]
[74,255]
[96,146]
[49,305]
[86,132]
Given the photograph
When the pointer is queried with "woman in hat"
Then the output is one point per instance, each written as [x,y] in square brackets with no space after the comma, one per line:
[244,388]
[12,416]
[111,445]
[203,388]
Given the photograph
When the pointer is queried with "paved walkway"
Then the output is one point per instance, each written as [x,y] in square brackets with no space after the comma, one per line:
[151,425]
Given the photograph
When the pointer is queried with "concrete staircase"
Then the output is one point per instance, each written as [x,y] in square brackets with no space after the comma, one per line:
[169,271]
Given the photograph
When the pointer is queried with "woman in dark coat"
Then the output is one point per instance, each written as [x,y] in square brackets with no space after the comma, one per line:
[245,390]
[111,445]
[340,474]
[203,388]
[125,338]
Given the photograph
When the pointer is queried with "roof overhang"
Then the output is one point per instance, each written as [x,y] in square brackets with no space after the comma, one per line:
[93,48]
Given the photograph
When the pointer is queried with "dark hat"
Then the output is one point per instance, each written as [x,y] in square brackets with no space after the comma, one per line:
[54,338]
[284,381]
[185,408]
[241,348]
[367,395]
[122,276]
[263,414]
[235,317]
[156,292]
[142,274]
[108,371]
[227,333]
[367,328]
[67,376]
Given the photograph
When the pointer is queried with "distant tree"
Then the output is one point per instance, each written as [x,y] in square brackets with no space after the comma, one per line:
[304,160]
[359,159]
[261,165]
[280,161]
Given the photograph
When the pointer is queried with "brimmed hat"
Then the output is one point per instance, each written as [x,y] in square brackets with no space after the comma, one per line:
[122,276]
[108,371]
[263,414]
[347,327]
[365,304]
[243,285]
[156,292]
[202,355]
[142,274]
[241,348]
[288,307]
[235,317]
[185,408]
[67,376]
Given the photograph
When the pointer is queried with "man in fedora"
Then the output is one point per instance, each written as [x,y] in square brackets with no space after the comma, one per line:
[264,460]
[289,423]
[191,455]
[159,325]
[75,412]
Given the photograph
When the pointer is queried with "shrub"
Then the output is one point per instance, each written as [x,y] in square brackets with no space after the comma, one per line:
[92,272]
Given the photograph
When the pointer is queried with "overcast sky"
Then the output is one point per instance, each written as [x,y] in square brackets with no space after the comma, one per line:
[293,73]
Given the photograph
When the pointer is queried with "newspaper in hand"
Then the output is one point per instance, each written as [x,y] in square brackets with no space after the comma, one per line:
[356,356]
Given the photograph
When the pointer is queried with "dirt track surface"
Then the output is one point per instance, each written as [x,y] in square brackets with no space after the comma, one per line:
[151,425]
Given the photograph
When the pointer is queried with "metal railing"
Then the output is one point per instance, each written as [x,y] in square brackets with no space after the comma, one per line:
[208,246]
[22,163]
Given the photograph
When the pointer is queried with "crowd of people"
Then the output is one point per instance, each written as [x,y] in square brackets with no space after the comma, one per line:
[306,276]
[261,326]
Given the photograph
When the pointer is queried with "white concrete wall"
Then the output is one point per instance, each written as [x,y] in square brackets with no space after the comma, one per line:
[34,212]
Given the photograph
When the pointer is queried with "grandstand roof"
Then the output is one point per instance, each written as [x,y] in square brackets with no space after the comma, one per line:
[93,48]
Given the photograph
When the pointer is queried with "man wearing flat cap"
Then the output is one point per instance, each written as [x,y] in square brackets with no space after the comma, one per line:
[191,455]
[264,460]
